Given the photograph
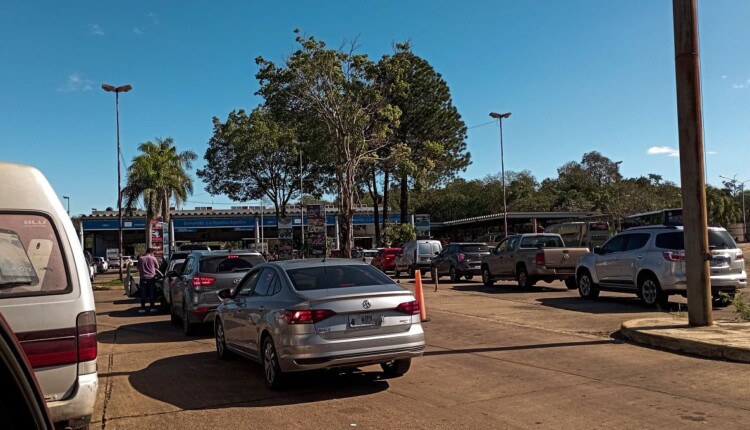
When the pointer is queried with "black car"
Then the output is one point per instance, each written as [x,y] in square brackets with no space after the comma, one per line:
[193,296]
[460,259]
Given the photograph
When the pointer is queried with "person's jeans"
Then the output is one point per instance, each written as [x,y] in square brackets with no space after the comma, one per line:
[148,289]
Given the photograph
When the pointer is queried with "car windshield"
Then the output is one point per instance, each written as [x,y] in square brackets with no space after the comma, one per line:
[229,263]
[339,276]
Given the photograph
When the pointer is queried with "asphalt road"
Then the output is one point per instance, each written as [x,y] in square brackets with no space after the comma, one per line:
[497,357]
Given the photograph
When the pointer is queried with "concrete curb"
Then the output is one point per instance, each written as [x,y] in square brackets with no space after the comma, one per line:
[679,337]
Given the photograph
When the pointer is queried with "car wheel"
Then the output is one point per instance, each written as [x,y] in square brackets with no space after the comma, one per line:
[469,277]
[487,277]
[396,368]
[221,342]
[173,318]
[570,283]
[651,292]
[586,287]
[524,280]
[453,275]
[274,377]
[187,326]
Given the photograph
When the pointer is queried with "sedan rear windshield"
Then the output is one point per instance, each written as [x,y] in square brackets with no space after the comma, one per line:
[324,277]
[717,239]
[475,248]
[229,263]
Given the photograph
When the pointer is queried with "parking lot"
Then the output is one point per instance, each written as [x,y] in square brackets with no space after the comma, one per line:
[497,357]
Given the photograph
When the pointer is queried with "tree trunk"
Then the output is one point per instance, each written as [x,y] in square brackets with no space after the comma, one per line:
[374,195]
[346,185]
[149,217]
[386,181]
[404,199]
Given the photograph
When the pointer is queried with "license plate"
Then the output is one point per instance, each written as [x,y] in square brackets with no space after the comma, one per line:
[364,320]
[717,262]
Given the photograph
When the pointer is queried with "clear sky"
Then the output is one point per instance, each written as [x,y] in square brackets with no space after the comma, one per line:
[577,75]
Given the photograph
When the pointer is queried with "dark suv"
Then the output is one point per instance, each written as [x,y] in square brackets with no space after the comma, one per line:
[193,293]
[460,259]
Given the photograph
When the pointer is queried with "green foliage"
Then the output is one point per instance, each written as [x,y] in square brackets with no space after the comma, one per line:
[741,307]
[722,207]
[396,235]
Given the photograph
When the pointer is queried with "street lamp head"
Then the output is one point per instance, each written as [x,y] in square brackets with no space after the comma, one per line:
[121,89]
[499,115]
[66,197]
[107,87]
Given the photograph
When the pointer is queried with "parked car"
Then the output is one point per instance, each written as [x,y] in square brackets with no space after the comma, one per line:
[650,262]
[127,261]
[460,259]
[385,259]
[193,296]
[91,265]
[529,258]
[416,255]
[171,271]
[194,247]
[298,315]
[365,255]
[101,264]
[46,295]
[23,402]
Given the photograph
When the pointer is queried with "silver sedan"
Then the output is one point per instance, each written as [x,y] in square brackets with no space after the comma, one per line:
[310,314]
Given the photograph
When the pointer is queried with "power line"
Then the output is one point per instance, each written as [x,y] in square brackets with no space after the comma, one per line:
[481,125]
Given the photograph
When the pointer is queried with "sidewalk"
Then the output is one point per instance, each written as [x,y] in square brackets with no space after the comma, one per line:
[724,340]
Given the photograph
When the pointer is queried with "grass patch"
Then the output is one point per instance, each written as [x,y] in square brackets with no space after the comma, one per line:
[741,307]
[108,284]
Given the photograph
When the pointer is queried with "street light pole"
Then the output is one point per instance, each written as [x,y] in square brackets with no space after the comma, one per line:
[499,117]
[117,91]
[301,204]
[734,182]
[67,200]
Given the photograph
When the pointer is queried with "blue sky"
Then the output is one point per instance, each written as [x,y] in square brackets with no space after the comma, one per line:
[577,75]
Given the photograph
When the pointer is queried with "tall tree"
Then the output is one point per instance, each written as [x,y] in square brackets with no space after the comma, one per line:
[338,88]
[158,176]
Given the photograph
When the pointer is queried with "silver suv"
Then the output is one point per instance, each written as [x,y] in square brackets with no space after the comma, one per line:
[650,262]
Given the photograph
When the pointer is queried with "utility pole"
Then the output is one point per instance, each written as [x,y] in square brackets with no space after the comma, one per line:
[499,117]
[692,168]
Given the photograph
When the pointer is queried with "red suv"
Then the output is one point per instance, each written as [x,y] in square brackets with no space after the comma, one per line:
[385,259]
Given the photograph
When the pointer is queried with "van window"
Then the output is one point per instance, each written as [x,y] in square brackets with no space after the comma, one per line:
[31,260]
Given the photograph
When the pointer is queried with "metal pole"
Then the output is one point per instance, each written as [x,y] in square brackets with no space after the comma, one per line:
[301,207]
[744,224]
[119,186]
[67,200]
[502,172]
[262,226]
[692,167]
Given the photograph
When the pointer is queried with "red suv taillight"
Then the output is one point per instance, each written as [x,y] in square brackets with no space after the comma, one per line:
[460,257]
[309,316]
[739,256]
[203,281]
[673,255]
[62,346]
[539,260]
[411,308]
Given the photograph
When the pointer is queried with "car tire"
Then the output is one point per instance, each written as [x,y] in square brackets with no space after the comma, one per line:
[487,277]
[272,374]
[396,368]
[524,280]
[469,277]
[570,283]
[187,327]
[586,286]
[651,292]
[453,275]
[221,342]
[173,318]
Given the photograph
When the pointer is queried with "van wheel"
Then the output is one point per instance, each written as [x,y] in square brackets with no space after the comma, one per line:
[586,287]
[487,277]
[396,368]
[651,292]
[570,283]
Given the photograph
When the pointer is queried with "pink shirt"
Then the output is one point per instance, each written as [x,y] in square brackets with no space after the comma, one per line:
[147,266]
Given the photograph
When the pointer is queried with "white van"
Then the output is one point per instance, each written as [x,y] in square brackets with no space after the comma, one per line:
[416,255]
[46,295]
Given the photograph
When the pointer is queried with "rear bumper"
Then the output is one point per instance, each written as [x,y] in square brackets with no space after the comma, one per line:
[724,284]
[197,314]
[77,409]
[311,352]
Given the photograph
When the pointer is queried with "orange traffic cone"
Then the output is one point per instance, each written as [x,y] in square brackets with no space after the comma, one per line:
[419,292]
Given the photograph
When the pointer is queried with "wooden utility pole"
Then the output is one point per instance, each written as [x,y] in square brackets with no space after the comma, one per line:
[692,168]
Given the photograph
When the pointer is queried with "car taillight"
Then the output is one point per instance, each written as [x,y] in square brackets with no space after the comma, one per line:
[673,255]
[308,316]
[59,347]
[203,281]
[460,257]
[411,308]
[739,256]
[539,260]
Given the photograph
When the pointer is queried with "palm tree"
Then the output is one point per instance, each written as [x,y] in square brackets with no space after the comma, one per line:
[158,176]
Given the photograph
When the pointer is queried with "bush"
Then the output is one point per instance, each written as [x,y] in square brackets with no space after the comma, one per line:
[396,235]
[741,307]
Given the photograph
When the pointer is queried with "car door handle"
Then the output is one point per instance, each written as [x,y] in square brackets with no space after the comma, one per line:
[639,257]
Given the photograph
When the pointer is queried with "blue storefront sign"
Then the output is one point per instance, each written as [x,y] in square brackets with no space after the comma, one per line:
[228,222]
[111,224]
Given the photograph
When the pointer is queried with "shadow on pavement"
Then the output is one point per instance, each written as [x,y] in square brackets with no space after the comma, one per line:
[607,305]
[520,347]
[502,288]
[133,311]
[149,332]
[201,381]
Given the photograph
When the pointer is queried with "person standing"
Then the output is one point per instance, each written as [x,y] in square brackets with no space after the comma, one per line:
[147,269]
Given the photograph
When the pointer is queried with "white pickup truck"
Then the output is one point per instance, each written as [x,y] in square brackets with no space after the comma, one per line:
[529,258]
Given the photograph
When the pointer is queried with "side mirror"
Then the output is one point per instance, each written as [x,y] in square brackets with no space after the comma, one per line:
[598,250]
[225,293]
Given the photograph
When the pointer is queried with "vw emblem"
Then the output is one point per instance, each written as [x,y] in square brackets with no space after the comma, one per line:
[566,256]
[366,304]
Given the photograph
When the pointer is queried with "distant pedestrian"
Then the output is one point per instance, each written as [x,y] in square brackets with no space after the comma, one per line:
[147,269]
